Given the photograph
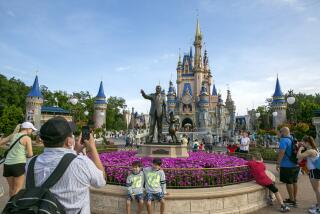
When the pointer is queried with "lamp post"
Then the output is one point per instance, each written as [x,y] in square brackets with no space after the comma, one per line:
[274,114]
[257,120]
[74,101]
[291,100]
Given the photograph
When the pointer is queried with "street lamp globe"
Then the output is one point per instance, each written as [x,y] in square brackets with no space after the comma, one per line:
[291,100]
[274,113]
[257,114]
[73,101]
[86,113]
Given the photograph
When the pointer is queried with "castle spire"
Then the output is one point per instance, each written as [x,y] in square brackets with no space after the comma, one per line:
[198,31]
[214,90]
[197,45]
[35,90]
[101,91]
[277,91]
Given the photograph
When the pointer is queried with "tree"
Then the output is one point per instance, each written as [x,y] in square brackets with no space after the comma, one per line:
[13,92]
[11,116]
[114,118]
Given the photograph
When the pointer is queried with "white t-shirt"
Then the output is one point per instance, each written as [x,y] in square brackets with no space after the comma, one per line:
[244,143]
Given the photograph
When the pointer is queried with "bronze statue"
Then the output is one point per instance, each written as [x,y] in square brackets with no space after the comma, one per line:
[172,128]
[157,109]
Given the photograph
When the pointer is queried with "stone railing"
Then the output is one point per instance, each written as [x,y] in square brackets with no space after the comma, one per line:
[239,198]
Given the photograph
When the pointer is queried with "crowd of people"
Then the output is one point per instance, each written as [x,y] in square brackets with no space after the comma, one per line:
[144,184]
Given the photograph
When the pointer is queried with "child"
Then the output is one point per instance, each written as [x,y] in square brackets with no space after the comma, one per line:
[232,148]
[257,169]
[155,184]
[135,182]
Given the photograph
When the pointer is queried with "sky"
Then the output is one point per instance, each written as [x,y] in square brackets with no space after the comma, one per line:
[131,45]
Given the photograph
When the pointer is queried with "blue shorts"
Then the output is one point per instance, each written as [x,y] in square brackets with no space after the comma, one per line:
[154,196]
[138,197]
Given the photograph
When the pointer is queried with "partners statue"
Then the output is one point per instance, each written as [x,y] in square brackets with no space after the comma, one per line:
[172,127]
[157,109]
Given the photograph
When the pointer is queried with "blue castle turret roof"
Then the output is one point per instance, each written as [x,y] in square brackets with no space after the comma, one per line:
[214,90]
[35,90]
[101,97]
[101,91]
[278,96]
[277,91]
[171,88]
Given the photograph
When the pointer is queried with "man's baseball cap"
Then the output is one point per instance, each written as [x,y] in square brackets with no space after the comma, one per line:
[28,125]
[56,130]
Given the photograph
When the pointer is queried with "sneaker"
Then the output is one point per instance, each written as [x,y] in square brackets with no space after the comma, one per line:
[314,210]
[290,203]
[284,208]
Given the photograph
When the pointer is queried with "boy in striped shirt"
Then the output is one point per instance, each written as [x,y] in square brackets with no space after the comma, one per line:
[155,184]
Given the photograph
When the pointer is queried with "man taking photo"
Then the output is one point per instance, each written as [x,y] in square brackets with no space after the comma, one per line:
[72,190]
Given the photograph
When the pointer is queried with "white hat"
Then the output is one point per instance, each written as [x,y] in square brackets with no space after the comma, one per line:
[28,125]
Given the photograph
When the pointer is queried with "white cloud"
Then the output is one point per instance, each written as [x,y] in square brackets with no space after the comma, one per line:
[312,19]
[123,68]
[140,105]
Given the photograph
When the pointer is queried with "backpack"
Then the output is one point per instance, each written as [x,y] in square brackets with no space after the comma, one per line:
[34,200]
[3,157]
[293,156]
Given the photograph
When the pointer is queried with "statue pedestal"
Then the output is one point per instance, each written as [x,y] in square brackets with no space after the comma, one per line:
[163,151]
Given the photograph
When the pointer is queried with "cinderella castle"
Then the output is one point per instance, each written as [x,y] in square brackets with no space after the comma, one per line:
[196,101]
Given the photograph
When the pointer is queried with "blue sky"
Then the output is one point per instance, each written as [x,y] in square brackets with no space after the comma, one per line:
[135,44]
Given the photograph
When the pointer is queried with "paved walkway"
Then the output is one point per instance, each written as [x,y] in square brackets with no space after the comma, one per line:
[306,196]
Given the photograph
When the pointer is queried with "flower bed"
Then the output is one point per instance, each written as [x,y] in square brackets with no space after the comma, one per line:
[200,169]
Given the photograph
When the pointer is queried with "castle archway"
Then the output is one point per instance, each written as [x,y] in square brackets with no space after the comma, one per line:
[187,124]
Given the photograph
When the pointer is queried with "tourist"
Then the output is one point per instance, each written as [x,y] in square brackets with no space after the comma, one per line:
[135,183]
[244,143]
[289,170]
[72,190]
[155,185]
[15,161]
[184,140]
[195,145]
[311,153]
[232,147]
[257,169]
[201,146]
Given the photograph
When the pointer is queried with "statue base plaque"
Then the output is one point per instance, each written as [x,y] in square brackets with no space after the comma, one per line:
[163,151]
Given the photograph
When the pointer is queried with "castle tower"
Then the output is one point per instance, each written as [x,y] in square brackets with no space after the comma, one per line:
[214,90]
[198,70]
[100,107]
[232,111]
[203,117]
[171,98]
[34,102]
[279,105]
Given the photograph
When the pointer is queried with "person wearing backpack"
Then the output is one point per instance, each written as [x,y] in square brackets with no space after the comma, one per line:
[59,175]
[287,164]
[311,155]
[16,156]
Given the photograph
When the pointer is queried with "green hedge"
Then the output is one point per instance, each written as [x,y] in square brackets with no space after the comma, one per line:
[267,154]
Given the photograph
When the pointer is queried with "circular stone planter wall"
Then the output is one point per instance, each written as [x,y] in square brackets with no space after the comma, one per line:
[240,198]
